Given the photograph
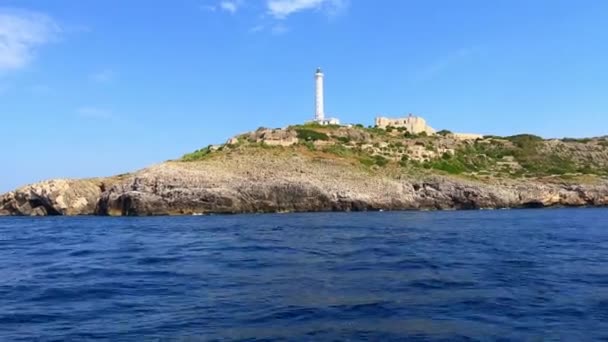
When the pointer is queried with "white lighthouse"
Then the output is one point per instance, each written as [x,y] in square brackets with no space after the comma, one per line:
[319,101]
[319,105]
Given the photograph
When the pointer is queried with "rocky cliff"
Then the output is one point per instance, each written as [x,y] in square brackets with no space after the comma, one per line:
[56,197]
[332,168]
[253,180]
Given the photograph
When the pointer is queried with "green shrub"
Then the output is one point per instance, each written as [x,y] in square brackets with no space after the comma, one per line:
[311,135]
[376,130]
[525,140]
[366,160]
[373,160]
[586,169]
[380,161]
[344,140]
[339,150]
[314,125]
[495,150]
[452,166]
[583,140]
[265,146]
[311,124]
[309,145]
[444,132]
[526,149]
[198,154]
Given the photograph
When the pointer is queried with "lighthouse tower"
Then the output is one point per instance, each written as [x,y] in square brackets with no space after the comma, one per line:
[319,110]
[319,105]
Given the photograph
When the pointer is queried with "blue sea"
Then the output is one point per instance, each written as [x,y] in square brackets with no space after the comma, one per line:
[539,275]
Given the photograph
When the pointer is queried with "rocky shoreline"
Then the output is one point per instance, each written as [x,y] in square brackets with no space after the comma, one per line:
[267,182]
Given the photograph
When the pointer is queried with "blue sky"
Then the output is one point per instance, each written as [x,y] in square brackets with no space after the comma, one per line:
[99,87]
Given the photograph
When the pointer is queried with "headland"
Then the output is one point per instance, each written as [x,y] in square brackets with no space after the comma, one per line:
[325,167]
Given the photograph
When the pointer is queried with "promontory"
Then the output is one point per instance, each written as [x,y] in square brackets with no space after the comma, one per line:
[312,167]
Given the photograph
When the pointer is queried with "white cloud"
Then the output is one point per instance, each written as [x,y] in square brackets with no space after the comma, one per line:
[280,29]
[21,33]
[103,76]
[230,6]
[256,28]
[281,9]
[209,8]
[94,113]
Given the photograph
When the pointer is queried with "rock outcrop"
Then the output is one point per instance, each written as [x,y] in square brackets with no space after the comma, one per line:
[279,180]
[161,196]
[55,197]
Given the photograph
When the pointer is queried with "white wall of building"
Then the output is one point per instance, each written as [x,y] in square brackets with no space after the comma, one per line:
[319,105]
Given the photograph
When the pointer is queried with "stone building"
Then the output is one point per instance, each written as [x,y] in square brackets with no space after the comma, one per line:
[413,124]
[467,136]
[274,137]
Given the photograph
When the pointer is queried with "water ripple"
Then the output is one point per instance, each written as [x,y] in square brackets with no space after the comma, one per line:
[418,276]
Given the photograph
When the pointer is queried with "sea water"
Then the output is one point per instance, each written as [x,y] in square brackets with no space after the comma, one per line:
[468,275]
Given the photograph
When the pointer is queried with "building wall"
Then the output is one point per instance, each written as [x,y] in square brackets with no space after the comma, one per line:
[413,124]
[330,121]
[319,105]
[281,142]
[467,136]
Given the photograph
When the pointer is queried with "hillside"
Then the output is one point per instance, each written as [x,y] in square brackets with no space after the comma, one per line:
[519,156]
[332,168]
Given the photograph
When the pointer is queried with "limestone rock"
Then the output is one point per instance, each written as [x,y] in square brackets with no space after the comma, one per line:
[55,197]
[276,180]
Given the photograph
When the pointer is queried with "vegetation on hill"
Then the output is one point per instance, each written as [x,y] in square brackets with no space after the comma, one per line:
[198,154]
[523,155]
[307,134]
